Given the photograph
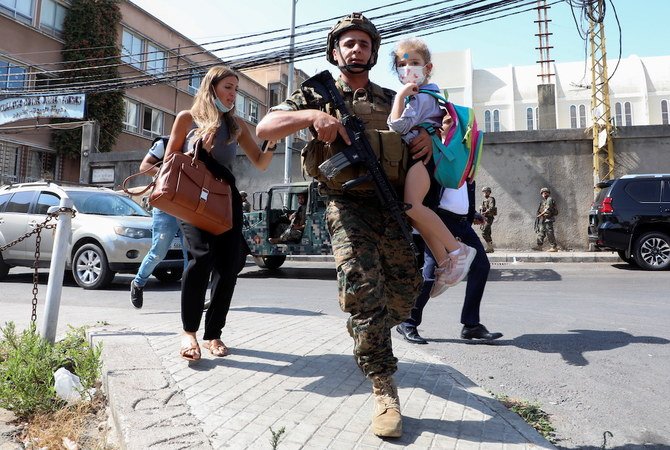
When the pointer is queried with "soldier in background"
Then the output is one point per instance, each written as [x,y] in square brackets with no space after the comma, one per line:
[377,275]
[489,210]
[246,206]
[544,222]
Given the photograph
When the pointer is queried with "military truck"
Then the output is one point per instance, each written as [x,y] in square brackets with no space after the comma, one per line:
[270,217]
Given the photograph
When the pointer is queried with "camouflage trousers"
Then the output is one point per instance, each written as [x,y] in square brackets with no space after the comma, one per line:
[486,229]
[377,277]
[546,230]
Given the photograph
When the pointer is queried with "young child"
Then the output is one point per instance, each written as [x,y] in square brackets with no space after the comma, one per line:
[411,59]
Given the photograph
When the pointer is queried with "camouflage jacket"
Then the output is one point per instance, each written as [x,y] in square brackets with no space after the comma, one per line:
[547,210]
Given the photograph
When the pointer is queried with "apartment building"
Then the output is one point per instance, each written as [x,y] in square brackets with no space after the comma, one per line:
[30,49]
[505,98]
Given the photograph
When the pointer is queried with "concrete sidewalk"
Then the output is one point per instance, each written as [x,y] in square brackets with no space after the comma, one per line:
[293,370]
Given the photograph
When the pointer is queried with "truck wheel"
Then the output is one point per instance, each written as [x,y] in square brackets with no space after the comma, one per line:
[630,260]
[652,251]
[270,261]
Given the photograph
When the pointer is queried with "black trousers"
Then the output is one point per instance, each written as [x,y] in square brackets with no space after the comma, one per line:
[212,256]
[477,276]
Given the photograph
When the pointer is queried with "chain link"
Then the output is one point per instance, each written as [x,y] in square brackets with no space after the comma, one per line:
[38,240]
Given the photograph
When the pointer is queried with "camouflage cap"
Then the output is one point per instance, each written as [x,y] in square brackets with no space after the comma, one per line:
[486,189]
[354,21]
[544,189]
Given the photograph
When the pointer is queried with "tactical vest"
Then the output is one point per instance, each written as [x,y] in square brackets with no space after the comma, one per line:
[372,106]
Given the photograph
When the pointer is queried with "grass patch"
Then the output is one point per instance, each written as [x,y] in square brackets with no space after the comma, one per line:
[27,366]
[532,414]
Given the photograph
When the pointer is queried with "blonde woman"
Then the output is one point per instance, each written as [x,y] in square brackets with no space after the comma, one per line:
[212,118]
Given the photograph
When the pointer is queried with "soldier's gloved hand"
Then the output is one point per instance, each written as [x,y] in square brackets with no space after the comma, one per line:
[421,147]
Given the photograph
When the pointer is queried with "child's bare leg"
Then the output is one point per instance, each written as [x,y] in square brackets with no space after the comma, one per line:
[425,219]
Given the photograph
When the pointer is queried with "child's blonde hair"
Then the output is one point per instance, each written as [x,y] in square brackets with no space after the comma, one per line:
[410,44]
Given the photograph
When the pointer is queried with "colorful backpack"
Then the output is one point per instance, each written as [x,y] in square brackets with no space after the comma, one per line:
[457,155]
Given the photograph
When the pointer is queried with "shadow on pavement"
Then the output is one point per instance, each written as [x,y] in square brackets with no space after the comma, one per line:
[571,346]
[303,273]
[274,310]
[337,376]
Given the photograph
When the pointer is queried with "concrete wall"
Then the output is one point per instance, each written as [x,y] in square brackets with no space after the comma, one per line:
[514,164]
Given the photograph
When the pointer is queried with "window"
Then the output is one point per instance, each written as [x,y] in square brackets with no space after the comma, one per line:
[645,191]
[573,116]
[276,94]
[665,198]
[628,114]
[496,120]
[194,81]
[487,121]
[131,115]
[131,49]
[52,16]
[664,112]
[529,119]
[582,116]
[155,60]
[617,114]
[20,202]
[45,201]
[152,122]
[240,108]
[19,9]
[12,76]
[253,111]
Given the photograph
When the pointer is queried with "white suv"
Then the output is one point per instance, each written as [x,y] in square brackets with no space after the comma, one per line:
[110,233]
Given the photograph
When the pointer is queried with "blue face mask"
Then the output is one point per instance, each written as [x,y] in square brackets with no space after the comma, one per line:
[220,106]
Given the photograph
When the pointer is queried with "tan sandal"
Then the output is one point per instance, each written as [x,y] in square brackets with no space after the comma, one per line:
[216,347]
[190,350]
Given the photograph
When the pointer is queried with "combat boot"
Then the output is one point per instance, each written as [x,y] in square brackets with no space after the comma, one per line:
[386,418]
[489,247]
[553,248]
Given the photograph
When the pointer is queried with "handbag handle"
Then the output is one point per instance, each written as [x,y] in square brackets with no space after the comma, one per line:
[149,186]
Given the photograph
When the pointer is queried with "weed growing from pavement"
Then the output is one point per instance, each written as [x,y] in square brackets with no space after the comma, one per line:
[276,437]
[28,363]
[532,414]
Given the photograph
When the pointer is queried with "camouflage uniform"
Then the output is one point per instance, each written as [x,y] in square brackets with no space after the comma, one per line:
[378,279]
[545,227]
[487,208]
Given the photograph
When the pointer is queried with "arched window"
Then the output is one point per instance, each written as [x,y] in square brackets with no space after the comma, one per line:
[628,114]
[487,121]
[529,119]
[664,112]
[496,120]
[582,116]
[618,114]
[573,116]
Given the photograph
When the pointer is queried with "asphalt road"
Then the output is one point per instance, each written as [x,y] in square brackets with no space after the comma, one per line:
[588,342]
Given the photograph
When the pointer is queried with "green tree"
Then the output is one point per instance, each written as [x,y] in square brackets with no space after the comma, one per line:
[91,53]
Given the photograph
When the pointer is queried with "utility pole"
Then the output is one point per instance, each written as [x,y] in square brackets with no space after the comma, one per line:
[603,147]
[546,90]
[288,149]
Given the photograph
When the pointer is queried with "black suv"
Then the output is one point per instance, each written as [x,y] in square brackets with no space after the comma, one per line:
[631,215]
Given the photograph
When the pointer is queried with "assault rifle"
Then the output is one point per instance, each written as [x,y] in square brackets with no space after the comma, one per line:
[359,152]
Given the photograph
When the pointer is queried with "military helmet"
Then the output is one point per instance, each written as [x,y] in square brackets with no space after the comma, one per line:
[243,193]
[354,21]
[486,189]
[543,190]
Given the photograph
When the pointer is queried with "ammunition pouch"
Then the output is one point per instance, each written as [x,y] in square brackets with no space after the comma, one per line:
[392,152]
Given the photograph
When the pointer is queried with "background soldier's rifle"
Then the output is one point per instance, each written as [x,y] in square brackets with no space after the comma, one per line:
[359,152]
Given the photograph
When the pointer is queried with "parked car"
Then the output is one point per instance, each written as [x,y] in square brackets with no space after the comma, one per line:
[110,233]
[270,216]
[631,215]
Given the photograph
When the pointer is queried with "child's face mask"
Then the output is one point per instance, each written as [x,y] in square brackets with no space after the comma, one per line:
[411,74]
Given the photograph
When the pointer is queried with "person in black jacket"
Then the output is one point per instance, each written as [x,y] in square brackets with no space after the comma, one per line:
[456,208]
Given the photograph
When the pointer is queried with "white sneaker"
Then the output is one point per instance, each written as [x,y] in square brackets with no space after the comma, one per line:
[440,284]
[460,265]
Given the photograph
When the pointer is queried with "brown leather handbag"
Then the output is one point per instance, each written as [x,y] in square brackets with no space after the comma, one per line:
[186,189]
